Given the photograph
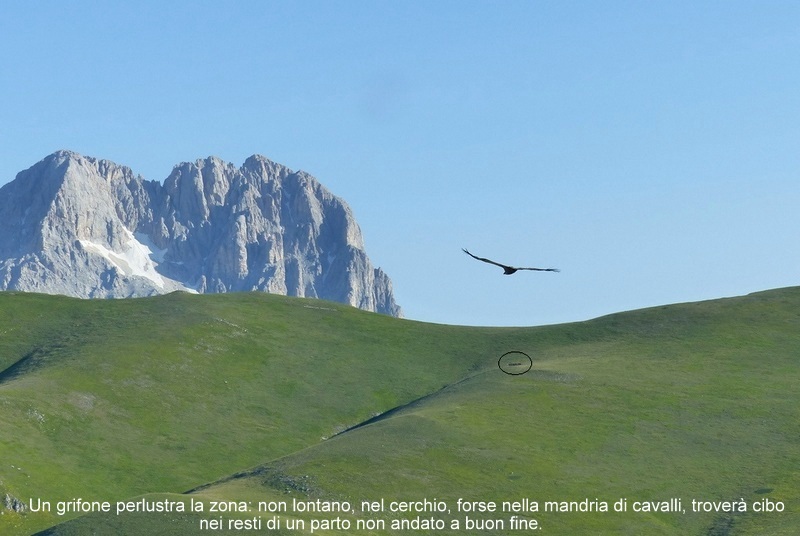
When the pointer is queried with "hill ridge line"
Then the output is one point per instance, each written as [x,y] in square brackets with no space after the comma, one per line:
[376,418]
[397,409]
[33,360]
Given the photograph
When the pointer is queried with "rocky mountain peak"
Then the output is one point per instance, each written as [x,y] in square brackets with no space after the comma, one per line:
[85,227]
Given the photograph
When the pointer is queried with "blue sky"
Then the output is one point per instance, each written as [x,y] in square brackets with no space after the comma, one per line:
[648,149]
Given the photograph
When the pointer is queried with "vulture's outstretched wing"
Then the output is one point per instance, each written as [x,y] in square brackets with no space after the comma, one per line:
[540,269]
[484,260]
[508,270]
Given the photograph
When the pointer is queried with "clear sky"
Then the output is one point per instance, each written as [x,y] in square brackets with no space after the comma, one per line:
[648,149]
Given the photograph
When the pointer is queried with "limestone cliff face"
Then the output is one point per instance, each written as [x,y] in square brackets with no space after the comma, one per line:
[89,228]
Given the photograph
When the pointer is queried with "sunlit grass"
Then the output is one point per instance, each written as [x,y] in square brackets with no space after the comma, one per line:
[250,390]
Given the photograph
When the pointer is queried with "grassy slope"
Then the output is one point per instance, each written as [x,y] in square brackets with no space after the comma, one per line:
[128,397]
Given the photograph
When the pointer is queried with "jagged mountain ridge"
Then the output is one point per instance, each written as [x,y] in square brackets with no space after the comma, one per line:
[85,227]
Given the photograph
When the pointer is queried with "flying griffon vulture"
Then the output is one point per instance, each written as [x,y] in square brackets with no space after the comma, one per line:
[508,270]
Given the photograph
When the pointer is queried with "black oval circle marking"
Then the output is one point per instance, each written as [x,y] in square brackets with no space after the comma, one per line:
[515,363]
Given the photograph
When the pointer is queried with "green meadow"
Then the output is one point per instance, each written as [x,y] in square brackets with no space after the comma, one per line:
[237,401]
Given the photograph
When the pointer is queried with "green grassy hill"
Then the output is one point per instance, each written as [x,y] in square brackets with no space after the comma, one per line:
[256,398]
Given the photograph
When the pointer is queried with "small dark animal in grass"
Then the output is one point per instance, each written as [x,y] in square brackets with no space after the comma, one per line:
[508,270]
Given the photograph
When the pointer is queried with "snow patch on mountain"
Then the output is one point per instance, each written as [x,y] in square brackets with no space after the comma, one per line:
[137,259]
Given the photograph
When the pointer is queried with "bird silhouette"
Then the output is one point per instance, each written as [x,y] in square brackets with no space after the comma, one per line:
[508,270]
